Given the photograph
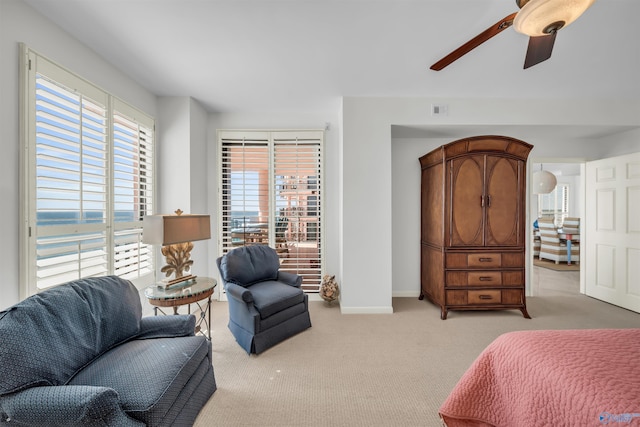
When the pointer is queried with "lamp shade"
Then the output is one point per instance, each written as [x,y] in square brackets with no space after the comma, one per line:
[538,17]
[172,229]
[543,182]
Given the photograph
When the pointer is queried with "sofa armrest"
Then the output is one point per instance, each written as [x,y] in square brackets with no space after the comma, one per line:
[238,292]
[70,405]
[169,326]
[291,279]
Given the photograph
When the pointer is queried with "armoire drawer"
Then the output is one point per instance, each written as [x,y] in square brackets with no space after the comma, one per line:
[465,297]
[473,260]
[488,296]
[484,260]
[484,296]
[483,278]
[474,278]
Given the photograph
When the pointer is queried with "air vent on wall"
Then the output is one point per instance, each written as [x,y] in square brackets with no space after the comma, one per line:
[439,109]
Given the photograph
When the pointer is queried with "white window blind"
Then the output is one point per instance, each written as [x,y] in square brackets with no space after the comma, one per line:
[270,193]
[133,193]
[88,180]
[555,203]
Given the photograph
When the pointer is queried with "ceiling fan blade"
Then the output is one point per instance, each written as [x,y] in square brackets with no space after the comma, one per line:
[539,49]
[492,31]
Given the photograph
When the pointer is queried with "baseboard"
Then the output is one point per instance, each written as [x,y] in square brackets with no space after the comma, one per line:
[366,310]
[405,294]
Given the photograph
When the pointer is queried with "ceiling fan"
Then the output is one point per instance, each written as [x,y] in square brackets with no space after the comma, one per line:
[539,19]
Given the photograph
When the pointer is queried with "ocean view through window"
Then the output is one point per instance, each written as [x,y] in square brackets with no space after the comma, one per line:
[88,180]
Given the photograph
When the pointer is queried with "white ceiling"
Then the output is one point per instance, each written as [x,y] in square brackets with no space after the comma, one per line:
[303,55]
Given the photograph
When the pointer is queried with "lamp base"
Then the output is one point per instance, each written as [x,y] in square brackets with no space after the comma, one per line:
[177,281]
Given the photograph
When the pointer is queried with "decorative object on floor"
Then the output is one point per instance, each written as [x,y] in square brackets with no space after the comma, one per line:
[80,354]
[176,233]
[329,290]
[266,305]
[539,19]
[543,182]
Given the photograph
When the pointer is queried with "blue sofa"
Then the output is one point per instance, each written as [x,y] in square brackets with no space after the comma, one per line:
[81,354]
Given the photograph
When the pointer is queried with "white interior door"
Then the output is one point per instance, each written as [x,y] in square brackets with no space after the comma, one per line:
[612,243]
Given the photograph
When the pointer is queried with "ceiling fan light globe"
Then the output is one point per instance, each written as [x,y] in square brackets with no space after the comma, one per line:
[537,16]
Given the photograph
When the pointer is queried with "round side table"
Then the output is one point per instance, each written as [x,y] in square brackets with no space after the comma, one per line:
[193,292]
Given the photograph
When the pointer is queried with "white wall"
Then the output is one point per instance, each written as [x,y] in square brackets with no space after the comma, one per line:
[20,23]
[405,200]
[376,265]
[182,169]
[174,155]
[200,190]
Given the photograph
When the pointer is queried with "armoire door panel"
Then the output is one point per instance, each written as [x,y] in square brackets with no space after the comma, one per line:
[503,202]
[467,201]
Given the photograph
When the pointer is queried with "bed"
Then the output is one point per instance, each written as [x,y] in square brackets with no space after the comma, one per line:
[584,377]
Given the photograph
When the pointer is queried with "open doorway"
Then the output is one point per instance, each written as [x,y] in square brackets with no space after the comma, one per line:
[556,271]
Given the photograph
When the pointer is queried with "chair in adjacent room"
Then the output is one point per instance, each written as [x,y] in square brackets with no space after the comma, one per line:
[266,306]
[552,247]
[570,235]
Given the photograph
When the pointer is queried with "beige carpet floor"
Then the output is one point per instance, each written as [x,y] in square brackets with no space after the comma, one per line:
[373,370]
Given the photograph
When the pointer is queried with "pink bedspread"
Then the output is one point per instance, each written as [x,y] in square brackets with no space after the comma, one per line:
[551,378]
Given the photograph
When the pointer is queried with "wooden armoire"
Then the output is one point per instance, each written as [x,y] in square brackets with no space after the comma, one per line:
[473,224]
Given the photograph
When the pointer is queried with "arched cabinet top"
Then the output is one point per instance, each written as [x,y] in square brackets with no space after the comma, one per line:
[491,144]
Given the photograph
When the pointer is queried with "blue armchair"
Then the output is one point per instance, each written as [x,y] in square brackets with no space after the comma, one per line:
[266,306]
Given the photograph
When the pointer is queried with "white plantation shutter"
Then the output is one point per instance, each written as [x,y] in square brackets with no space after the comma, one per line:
[297,183]
[244,189]
[270,193]
[88,180]
[132,190]
[71,184]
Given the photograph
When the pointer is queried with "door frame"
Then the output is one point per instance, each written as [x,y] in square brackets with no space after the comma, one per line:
[531,212]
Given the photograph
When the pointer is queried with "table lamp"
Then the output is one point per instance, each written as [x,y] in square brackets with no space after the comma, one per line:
[176,233]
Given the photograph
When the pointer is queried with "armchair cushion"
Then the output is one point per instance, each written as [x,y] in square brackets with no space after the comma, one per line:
[245,267]
[149,372]
[270,297]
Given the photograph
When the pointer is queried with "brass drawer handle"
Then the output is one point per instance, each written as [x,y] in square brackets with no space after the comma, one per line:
[485,297]
[486,259]
[485,278]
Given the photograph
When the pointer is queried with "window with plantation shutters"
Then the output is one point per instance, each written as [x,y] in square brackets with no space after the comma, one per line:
[88,180]
[271,194]
[555,203]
